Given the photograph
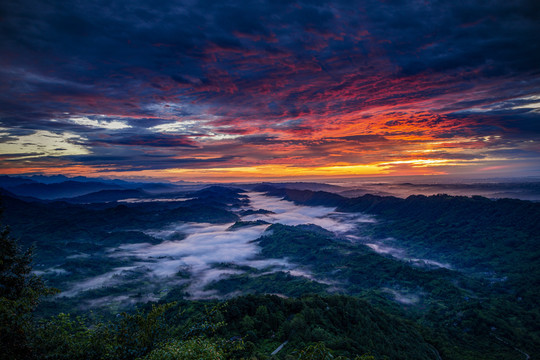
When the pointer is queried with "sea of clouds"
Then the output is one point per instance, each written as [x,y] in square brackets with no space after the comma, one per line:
[207,251]
[210,252]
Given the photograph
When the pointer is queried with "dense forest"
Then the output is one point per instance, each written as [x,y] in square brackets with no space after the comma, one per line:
[463,285]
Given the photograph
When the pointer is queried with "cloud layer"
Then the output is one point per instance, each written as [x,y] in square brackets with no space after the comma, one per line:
[191,89]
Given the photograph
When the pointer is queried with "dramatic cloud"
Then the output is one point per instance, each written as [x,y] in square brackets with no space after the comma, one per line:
[104,124]
[40,143]
[311,89]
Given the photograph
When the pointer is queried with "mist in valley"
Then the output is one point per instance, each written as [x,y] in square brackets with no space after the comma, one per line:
[194,255]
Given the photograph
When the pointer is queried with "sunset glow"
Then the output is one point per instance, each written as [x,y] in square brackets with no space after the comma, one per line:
[211,91]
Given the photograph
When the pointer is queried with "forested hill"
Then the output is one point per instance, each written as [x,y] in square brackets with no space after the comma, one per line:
[510,212]
[497,241]
[426,277]
[441,223]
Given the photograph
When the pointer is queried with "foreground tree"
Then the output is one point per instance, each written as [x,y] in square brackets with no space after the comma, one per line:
[318,351]
[20,291]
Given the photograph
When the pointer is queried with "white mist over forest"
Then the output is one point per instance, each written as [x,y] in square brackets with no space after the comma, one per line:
[208,252]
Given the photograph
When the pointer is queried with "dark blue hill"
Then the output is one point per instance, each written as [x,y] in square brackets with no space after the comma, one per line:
[108,196]
[66,189]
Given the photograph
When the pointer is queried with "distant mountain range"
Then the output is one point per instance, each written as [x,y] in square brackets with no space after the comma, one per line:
[108,196]
[62,187]
[83,189]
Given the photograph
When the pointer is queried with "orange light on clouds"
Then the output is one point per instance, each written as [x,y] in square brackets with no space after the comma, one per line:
[420,162]
[276,172]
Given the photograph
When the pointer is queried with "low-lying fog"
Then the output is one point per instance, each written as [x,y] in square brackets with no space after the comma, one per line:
[386,247]
[288,213]
[207,252]
[210,252]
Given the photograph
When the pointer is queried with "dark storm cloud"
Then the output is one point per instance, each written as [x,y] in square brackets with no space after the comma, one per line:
[452,156]
[143,161]
[517,123]
[269,140]
[158,140]
[495,37]
[109,42]
[293,70]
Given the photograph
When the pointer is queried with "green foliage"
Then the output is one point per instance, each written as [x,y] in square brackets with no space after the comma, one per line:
[193,349]
[62,337]
[494,244]
[278,282]
[242,224]
[63,229]
[206,323]
[20,292]
[135,335]
[147,335]
[461,307]
[316,351]
[345,325]
[470,313]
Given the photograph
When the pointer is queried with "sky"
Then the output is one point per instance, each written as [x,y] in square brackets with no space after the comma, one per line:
[270,89]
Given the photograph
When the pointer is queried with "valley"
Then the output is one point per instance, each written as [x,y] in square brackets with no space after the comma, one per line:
[415,259]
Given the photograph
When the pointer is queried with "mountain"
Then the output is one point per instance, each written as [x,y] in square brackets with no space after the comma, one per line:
[108,196]
[201,213]
[65,189]
[14,181]
[154,188]
[218,196]
[296,186]
[9,194]
[418,220]
[217,191]
[9,181]
[53,179]
[304,197]
[425,277]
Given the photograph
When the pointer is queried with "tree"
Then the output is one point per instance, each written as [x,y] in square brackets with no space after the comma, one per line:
[319,351]
[193,349]
[20,291]
[135,335]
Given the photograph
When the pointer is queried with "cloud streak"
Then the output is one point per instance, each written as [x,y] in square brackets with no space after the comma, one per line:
[401,254]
